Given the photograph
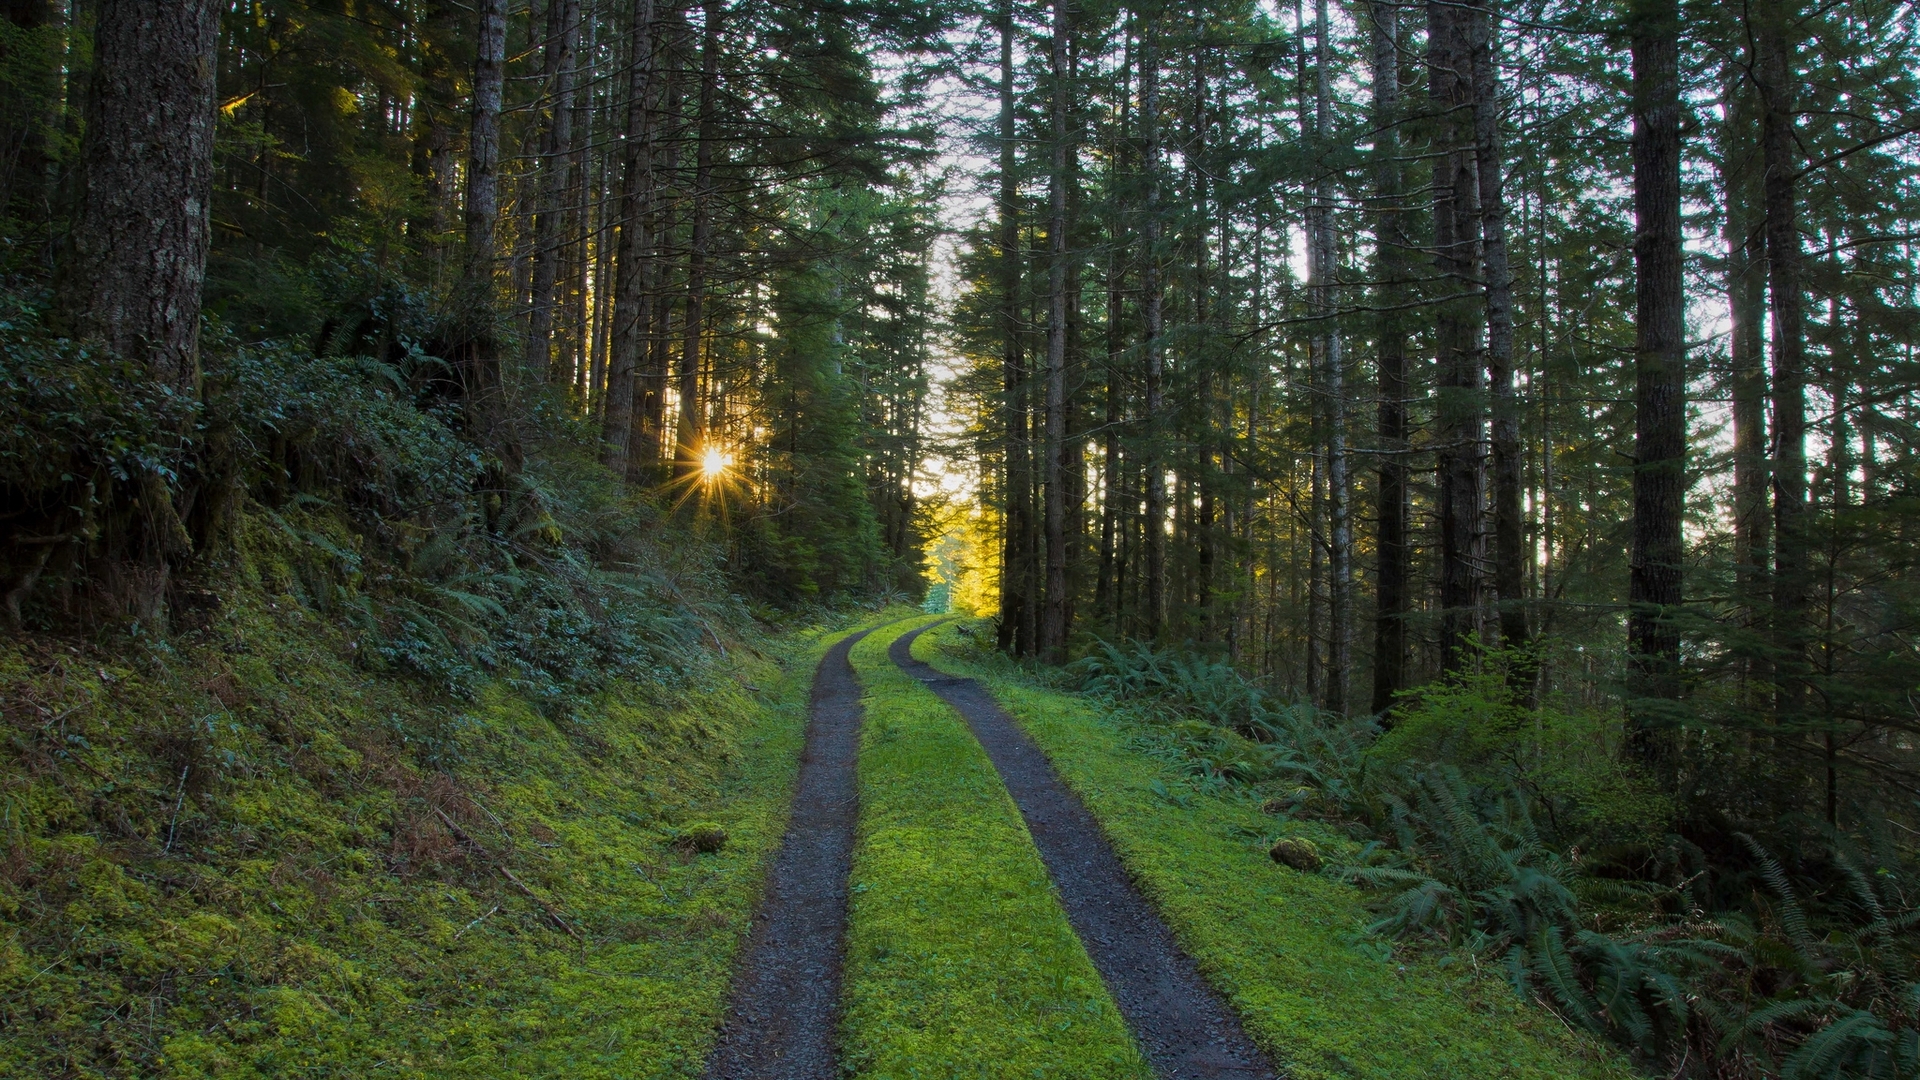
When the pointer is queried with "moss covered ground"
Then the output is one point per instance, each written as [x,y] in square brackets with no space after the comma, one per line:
[242,854]
[960,962]
[1286,947]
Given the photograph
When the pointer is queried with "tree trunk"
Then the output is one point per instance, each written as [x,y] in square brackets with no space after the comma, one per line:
[1322,255]
[1013,562]
[1660,380]
[1746,302]
[483,163]
[1073,456]
[1459,410]
[1509,523]
[133,279]
[1395,554]
[692,435]
[1053,624]
[138,261]
[1111,504]
[1108,591]
[1774,67]
[556,166]
[1033,538]
[1201,585]
[1316,563]
[605,244]
[630,259]
[650,439]
[577,224]
[476,359]
[1152,301]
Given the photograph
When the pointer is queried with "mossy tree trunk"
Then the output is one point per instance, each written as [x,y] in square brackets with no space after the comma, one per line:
[133,277]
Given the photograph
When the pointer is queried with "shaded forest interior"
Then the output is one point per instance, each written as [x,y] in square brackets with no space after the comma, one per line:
[1493,425]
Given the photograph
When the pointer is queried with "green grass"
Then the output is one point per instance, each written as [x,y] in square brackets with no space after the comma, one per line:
[1286,947]
[305,904]
[960,962]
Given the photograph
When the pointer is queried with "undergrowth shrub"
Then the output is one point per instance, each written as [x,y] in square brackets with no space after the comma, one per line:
[1512,830]
[347,472]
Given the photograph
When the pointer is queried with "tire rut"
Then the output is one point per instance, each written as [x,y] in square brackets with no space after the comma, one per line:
[1186,1031]
[784,1009]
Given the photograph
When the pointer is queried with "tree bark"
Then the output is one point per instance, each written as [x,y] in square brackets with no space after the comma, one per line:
[691,435]
[1053,623]
[483,161]
[1322,255]
[134,276]
[630,259]
[1660,384]
[1459,410]
[1741,172]
[1395,556]
[1106,596]
[1772,31]
[476,359]
[556,188]
[651,441]
[1509,522]
[1014,596]
[577,226]
[1153,301]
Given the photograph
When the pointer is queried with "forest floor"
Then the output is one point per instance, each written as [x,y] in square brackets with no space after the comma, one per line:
[332,875]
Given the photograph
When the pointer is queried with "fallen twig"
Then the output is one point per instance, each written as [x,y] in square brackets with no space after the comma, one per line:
[178,801]
[477,922]
[464,837]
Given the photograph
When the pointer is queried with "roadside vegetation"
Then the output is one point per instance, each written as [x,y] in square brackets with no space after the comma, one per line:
[960,962]
[1288,948]
[1480,832]
[244,855]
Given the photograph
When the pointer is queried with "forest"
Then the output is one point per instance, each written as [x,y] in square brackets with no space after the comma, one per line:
[1465,454]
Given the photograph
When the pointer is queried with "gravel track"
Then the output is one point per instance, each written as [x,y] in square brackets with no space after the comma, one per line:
[1184,1029]
[785,1004]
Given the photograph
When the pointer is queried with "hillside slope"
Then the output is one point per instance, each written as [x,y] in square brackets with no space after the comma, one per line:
[243,853]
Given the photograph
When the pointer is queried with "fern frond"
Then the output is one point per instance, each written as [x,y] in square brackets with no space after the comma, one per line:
[1877,923]
[1767,1015]
[1791,915]
[1556,969]
[1828,1051]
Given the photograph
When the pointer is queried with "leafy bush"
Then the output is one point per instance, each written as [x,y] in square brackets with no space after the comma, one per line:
[344,476]
[1567,759]
[1512,830]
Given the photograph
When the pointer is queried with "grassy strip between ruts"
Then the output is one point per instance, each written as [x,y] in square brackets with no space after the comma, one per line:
[1285,947]
[960,963]
[339,911]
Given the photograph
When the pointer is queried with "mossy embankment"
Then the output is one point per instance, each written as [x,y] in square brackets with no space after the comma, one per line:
[241,853]
[960,962]
[1285,947]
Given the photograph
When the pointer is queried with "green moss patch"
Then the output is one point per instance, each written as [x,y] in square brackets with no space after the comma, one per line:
[960,962]
[246,855]
[1285,946]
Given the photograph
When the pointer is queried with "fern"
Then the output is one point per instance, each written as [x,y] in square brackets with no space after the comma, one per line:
[1853,1044]
[1555,968]
[1485,861]
[1791,916]
[1771,1015]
